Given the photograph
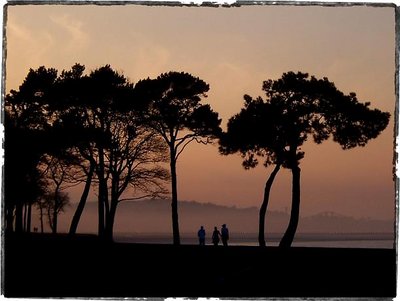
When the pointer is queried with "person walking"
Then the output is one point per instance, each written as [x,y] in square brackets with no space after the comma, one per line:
[202,236]
[215,236]
[224,235]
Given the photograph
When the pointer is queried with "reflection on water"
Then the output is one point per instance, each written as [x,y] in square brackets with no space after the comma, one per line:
[371,244]
[381,241]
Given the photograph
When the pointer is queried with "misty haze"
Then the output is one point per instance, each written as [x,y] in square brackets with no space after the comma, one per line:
[156,151]
[149,220]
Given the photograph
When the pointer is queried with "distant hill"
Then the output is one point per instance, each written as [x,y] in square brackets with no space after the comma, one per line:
[154,216]
[330,222]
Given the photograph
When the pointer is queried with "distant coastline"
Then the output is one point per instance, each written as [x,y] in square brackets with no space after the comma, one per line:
[153,216]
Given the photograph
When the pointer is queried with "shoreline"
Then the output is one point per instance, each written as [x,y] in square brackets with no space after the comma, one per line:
[335,240]
[59,266]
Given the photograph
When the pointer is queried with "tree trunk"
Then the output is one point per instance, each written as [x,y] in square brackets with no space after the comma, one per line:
[10,219]
[25,215]
[82,202]
[55,211]
[19,217]
[102,193]
[263,209]
[174,201]
[101,201]
[110,220]
[50,219]
[29,218]
[41,219]
[288,237]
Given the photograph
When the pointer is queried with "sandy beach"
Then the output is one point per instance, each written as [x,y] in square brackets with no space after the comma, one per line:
[46,266]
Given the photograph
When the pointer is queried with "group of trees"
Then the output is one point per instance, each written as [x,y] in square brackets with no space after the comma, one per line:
[108,134]
[101,130]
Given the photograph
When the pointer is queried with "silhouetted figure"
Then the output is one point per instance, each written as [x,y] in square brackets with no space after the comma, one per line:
[202,236]
[224,235]
[215,236]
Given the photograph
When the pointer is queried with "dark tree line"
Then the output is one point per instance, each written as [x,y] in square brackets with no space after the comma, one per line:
[102,131]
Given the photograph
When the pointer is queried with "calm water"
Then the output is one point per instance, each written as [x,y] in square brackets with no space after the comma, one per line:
[381,241]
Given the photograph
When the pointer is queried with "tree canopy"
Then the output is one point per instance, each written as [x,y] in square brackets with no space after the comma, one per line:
[177,115]
[296,107]
[92,119]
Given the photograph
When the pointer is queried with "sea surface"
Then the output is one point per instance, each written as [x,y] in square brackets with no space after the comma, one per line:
[352,240]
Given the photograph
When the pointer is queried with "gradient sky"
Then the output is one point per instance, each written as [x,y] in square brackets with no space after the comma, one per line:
[234,50]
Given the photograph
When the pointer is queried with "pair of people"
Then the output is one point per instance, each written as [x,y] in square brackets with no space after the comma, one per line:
[224,234]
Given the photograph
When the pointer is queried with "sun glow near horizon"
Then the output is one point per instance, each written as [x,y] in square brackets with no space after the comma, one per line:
[234,50]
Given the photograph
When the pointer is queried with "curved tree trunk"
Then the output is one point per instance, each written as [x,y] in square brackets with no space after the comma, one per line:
[174,201]
[263,209]
[288,237]
[25,216]
[29,218]
[102,194]
[82,202]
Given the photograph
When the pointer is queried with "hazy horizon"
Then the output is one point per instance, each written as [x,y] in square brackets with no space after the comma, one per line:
[153,216]
[234,50]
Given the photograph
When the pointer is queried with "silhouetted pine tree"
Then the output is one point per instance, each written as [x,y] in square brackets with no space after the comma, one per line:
[297,106]
[176,114]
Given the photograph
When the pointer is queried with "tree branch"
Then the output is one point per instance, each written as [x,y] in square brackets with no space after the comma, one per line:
[136,198]
[183,147]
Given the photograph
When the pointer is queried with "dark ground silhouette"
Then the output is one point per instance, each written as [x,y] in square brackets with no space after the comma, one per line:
[58,266]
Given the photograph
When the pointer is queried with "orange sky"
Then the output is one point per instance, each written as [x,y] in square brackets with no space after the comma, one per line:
[234,50]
